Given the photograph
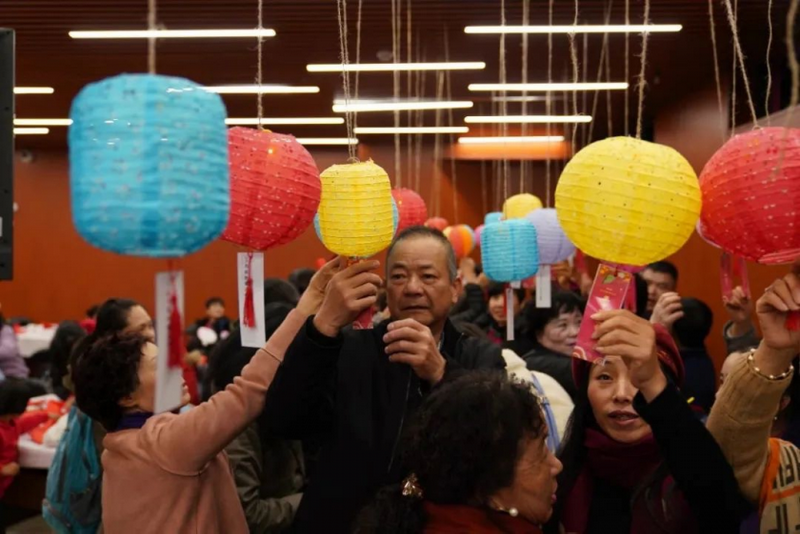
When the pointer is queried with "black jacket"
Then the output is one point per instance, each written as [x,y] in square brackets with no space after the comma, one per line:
[558,366]
[346,392]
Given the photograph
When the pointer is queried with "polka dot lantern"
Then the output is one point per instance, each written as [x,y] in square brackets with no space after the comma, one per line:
[751,196]
[509,250]
[554,246]
[148,165]
[519,206]
[462,238]
[439,223]
[628,201]
[411,207]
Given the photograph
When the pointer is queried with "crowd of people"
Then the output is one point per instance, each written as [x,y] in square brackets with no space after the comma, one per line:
[431,421]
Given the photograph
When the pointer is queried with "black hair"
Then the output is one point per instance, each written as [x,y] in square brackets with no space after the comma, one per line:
[214,300]
[67,336]
[562,302]
[640,285]
[105,373]
[14,396]
[112,316]
[301,278]
[423,231]
[664,267]
[463,447]
[693,328]
[277,290]
[499,288]
[92,311]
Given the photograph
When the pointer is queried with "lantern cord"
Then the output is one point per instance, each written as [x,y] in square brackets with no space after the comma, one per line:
[503,103]
[450,122]
[437,148]
[420,120]
[627,66]
[397,17]
[609,111]
[573,54]
[769,67]
[794,68]
[716,65]
[341,13]
[601,65]
[642,79]
[740,57]
[585,94]
[409,87]
[259,68]
[484,192]
[548,101]
[358,62]
[734,78]
[151,41]
[526,7]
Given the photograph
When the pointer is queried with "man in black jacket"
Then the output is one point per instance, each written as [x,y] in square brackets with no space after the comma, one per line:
[357,390]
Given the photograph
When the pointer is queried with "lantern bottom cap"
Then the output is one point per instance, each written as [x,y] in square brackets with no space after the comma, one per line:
[782,257]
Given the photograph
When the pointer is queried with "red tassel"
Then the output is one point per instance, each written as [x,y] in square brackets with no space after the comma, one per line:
[249,319]
[175,332]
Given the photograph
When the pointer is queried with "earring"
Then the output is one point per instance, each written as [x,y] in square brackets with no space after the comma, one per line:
[513,512]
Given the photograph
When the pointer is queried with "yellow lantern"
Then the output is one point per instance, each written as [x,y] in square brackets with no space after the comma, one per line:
[519,206]
[355,211]
[627,201]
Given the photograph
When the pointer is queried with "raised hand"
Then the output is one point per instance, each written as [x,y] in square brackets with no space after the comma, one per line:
[782,297]
[409,341]
[312,298]
[349,292]
[667,310]
[740,310]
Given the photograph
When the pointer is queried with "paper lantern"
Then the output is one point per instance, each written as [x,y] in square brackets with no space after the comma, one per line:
[412,208]
[509,251]
[148,165]
[478,232]
[275,188]
[355,212]
[493,217]
[628,201]
[439,223]
[554,246]
[519,206]
[462,239]
[700,229]
[751,197]
[395,221]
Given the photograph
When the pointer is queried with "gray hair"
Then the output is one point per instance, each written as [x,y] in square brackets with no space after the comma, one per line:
[424,231]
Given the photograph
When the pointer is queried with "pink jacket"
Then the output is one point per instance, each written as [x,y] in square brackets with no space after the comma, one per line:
[171,475]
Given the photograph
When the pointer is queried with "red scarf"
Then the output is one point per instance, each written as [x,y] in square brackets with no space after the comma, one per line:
[626,465]
[457,519]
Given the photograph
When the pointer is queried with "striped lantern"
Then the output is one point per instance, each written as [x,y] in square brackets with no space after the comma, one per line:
[509,250]
[554,246]
[462,239]
[519,206]
[411,208]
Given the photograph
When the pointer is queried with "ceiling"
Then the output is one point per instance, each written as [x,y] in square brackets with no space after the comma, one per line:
[307,32]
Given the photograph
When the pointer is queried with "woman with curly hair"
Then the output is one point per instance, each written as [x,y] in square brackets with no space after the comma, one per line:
[479,464]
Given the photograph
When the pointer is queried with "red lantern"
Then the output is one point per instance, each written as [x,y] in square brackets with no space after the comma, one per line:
[462,238]
[751,196]
[439,223]
[275,188]
[411,208]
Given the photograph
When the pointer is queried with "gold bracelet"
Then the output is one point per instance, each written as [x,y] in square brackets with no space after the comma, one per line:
[751,361]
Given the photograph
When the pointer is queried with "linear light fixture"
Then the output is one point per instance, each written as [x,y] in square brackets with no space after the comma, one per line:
[171,34]
[580,86]
[326,141]
[511,139]
[42,122]
[408,105]
[34,90]
[582,28]
[264,89]
[524,98]
[413,130]
[526,119]
[283,121]
[394,67]
[31,131]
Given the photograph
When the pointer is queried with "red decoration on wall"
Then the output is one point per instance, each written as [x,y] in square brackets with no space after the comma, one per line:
[411,208]
[751,196]
[275,188]
[438,223]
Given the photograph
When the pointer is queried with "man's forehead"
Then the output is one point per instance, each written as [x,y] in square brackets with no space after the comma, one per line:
[418,251]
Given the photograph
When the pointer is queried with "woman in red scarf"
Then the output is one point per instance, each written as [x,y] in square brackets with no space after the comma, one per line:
[637,461]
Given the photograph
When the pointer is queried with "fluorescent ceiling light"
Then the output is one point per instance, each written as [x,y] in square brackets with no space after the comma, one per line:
[326,141]
[408,105]
[511,139]
[526,119]
[264,89]
[42,122]
[586,86]
[582,28]
[283,121]
[171,34]
[413,130]
[31,131]
[34,90]
[524,98]
[393,67]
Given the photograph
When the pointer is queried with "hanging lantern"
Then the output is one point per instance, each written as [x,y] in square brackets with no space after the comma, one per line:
[148,165]
[395,221]
[628,201]
[411,207]
[478,232]
[509,251]
[493,217]
[751,196]
[554,247]
[462,238]
[355,212]
[700,229]
[438,223]
[519,206]
[275,188]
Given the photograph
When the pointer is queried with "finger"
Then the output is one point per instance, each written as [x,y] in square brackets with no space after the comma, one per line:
[405,332]
[671,318]
[619,337]
[365,279]
[361,267]
[793,283]
[624,322]
[333,266]
[738,293]
[362,291]
[782,290]
[406,358]
[410,323]
[623,350]
[403,345]
[605,315]
[771,301]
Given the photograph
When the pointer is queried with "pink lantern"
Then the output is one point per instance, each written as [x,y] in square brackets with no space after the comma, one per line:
[411,209]
[478,232]
[462,239]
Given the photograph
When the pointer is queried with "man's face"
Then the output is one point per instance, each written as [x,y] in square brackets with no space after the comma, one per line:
[657,285]
[216,310]
[418,284]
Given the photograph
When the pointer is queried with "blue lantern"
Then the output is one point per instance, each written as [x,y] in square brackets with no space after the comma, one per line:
[395,220]
[148,165]
[493,217]
[509,251]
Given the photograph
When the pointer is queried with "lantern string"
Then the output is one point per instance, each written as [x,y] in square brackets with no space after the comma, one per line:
[484,192]
[358,62]
[341,14]
[642,79]
[600,66]
[549,102]
[734,78]
[409,84]
[573,54]
[526,7]
[609,109]
[740,57]
[437,147]
[504,103]
[151,40]
[450,122]
[627,66]
[259,47]
[420,89]
[584,94]
[397,18]
[716,66]
[769,67]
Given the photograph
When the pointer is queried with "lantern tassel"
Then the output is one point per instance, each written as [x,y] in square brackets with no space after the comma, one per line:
[175,330]
[249,314]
